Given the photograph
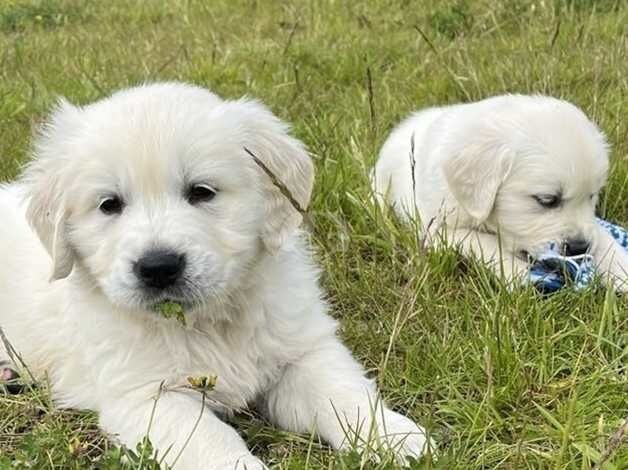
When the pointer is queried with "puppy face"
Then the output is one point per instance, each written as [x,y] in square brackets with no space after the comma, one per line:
[534,175]
[151,195]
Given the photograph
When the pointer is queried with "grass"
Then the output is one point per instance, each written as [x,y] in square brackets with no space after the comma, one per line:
[502,379]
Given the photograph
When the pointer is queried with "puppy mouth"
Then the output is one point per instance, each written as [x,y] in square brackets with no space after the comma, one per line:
[188,295]
[557,248]
[158,300]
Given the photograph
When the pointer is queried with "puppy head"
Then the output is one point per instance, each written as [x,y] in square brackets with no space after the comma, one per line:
[530,168]
[150,194]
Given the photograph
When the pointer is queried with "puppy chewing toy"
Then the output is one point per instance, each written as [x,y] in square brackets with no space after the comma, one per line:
[551,271]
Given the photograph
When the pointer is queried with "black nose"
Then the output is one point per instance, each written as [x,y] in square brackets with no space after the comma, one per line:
[159,268]
[576,246]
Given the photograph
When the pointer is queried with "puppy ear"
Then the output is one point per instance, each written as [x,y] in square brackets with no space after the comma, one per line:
[474,175]
[287,160]
[45,180]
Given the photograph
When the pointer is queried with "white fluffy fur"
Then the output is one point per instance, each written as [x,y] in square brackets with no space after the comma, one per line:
[255,314]
[477,168]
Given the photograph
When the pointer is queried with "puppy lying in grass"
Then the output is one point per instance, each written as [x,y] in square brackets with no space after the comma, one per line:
[500,179]
[146,202]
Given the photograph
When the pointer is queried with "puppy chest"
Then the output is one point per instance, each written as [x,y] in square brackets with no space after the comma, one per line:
[243,369]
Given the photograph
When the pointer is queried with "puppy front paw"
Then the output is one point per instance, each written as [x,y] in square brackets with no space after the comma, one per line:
[246,462]
[615,270]
[403,437]
[619,274]
[512,269]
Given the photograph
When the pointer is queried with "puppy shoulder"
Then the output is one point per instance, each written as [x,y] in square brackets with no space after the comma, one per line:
[290,283]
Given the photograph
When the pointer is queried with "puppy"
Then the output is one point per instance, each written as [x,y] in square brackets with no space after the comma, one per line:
[148,197]
[500,178]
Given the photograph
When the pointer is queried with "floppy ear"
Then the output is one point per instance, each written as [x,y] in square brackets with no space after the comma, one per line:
[45,180]
[287,160]
[474,175]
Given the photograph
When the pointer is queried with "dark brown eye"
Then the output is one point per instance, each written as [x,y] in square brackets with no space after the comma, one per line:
[549,201]
[200,193]
[111,205]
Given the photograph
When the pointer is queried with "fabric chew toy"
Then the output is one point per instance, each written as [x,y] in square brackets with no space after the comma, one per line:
[551,271]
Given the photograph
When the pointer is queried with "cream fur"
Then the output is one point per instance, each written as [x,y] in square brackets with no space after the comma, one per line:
[256,317]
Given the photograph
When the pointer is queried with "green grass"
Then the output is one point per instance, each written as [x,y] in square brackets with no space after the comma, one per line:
[501,379]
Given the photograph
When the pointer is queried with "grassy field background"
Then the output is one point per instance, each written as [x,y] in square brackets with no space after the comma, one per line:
[501,379]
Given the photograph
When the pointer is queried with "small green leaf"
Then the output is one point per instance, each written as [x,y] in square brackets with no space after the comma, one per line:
[171,309]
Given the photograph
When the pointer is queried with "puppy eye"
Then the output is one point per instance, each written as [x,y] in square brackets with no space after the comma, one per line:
[549,201]
[111,205]
[200,193]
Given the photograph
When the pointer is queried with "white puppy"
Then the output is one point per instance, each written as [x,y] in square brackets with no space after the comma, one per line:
[523,170]
[149,196]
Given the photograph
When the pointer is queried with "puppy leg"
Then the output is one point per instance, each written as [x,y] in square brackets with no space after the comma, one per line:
[610,259]
[178,426]
[326,391]
[486,248]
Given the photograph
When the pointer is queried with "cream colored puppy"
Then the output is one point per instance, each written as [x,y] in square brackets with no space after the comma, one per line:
[149,196]
[525,170]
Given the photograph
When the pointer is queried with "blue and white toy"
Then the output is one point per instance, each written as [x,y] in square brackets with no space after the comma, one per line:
[552,271]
